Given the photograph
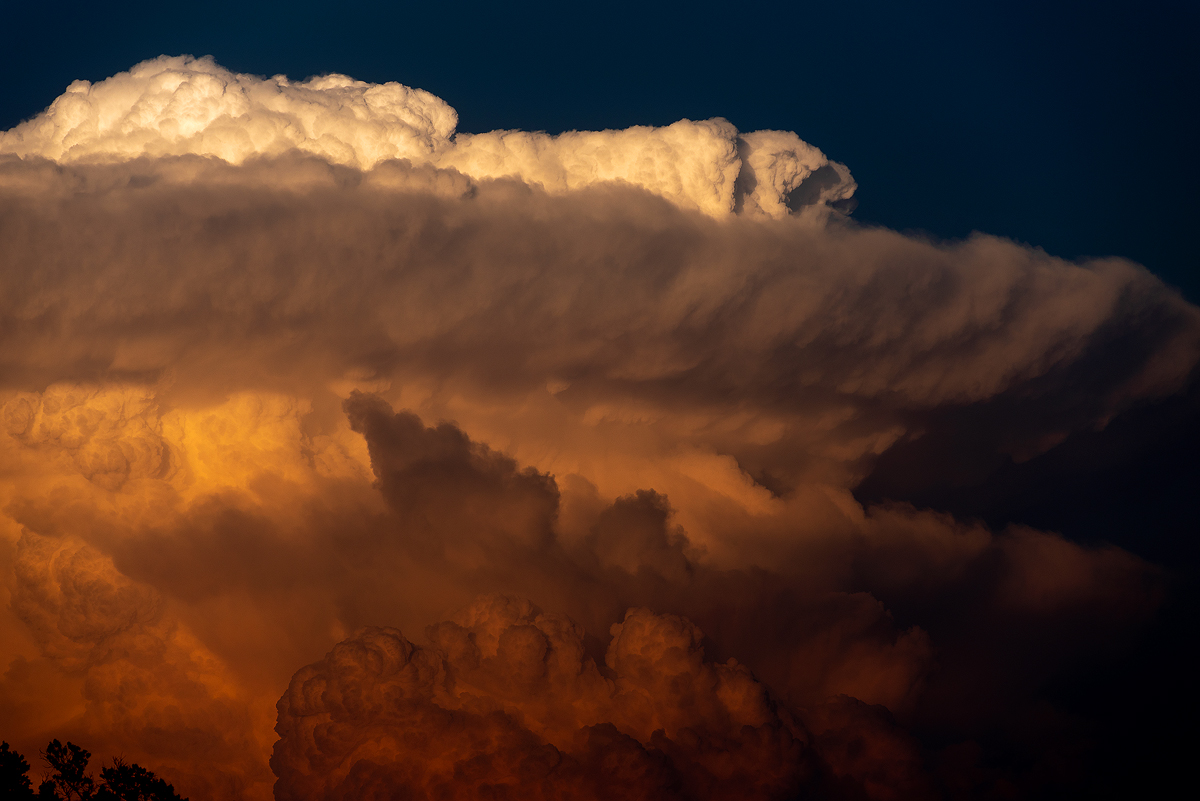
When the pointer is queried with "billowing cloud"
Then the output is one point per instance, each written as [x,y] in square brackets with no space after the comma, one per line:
[146,685]
[506,701]
[292,367]
[187,106]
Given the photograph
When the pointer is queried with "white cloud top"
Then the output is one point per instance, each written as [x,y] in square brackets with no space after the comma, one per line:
[174,106]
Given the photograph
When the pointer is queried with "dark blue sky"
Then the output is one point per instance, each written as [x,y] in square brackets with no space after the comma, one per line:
[1067,125]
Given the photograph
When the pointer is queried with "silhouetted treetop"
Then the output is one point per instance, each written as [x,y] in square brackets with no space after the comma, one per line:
[14,783]
[69,780]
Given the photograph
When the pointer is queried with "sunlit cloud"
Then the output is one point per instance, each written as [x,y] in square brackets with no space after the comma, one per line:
[538,451]
[186,106]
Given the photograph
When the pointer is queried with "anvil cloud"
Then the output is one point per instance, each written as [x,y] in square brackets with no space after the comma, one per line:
[538,451]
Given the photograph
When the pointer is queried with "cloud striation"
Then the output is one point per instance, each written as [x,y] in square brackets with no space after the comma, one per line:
[292,369]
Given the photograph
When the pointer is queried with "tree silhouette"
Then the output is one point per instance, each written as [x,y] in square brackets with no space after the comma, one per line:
[70,781]
[69,778]
[14,783]
[132,782]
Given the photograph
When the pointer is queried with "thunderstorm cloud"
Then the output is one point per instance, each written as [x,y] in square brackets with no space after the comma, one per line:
[347,456]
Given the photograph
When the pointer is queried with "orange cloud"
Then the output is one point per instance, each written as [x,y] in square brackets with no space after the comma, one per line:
[261,405]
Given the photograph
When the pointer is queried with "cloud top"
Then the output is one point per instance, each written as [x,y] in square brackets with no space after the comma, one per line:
[173,106]
[181,105]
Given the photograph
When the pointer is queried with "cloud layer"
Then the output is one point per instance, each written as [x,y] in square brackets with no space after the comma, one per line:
[290,368]
[187,106]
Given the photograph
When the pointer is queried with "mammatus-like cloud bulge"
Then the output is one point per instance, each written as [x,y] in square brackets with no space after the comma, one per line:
[291,367]
[172,106]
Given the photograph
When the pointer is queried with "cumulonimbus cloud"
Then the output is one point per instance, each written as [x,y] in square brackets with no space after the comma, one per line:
[287,361]
[182,105]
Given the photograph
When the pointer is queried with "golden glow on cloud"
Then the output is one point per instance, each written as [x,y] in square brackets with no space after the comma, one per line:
[286,360]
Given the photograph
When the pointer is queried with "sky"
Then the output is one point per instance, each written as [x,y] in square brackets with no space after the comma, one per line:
[1064,125]
[644,401]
